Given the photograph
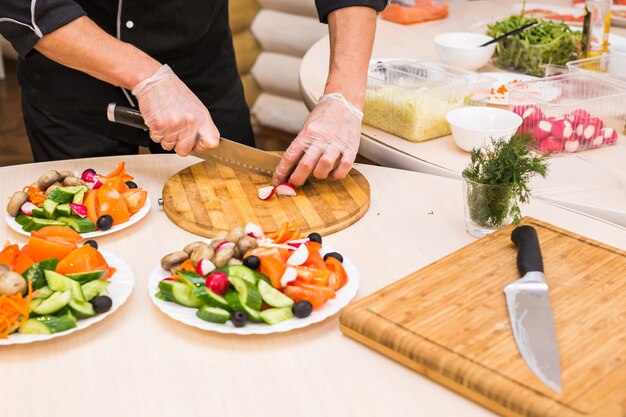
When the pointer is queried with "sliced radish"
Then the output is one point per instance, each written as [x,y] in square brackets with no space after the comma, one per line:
[571,145]
[223,245]
[286,189]
[204,267]
[254,230]
[27,208]
[169,279]
[299,256]
[89,176]
[266,192]
[551,144]
[298,242]
[79,209]
[542,129]
[609,135]
[289,276]
[96,185]
[562,129]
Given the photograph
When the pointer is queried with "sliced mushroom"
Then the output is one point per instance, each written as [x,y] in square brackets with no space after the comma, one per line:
[201,252]
[47,179]
[246,244]
[66,173]
[73,181]
[190,247]
[16,202]
[222,256]
[173,259]
[12,283]
[235,234]
[234,261]
[53,187]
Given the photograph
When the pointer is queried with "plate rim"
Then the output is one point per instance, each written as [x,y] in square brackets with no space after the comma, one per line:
[351,290]
[135,218]
[127,280]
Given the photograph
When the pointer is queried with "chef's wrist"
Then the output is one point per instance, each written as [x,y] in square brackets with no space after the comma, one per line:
[353,93]
[137,69]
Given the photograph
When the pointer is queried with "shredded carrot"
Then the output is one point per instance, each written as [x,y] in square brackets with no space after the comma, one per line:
[14,311]
[286,233]
[35,195]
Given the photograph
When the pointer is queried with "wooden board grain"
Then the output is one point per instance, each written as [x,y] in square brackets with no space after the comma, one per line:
[207,198]
[449,322]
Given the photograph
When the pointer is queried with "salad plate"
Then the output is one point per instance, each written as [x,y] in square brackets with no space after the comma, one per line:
[91,235]
[188,316]
[571,15]
[119,290]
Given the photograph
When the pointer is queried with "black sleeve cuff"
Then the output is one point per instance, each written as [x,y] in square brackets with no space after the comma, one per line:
[49,16]
[326,7]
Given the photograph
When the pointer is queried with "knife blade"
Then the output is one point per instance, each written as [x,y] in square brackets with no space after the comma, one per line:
[530,312]
[228,152]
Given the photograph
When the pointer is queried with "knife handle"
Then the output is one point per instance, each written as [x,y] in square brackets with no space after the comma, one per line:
[528,250]
[125,116]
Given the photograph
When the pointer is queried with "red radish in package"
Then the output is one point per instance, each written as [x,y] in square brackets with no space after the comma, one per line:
[586,130]
[530,116]
[551,144]
[543,129]
[609,135]
[562,129]
[571,145]
[578,116]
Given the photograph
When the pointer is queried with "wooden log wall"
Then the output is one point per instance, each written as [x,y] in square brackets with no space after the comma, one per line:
[247,49]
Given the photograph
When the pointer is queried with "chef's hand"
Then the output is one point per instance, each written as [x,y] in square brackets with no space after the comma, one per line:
[327,144]
[177,119]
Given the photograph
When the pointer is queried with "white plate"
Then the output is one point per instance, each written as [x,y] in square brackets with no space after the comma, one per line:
[504,78]
[133,219]
[187,315]
[121,286]
[577,12]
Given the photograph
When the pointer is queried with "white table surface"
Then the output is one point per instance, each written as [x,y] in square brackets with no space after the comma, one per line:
[140,363]
[593,181]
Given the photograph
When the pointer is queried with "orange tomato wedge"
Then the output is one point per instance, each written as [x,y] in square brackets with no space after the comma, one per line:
[111,203]
[118,183]
[59,231]
[135,198]
[8,255]
[315,260]
[120,171]
[39,249]
[22,261]
[83,259]
[93,208]
[317,296]
[338,278]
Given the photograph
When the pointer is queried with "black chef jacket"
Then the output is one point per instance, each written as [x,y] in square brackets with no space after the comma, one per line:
[65,110]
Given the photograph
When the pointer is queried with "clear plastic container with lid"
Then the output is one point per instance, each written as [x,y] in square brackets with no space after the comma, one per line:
[570,113]
[410,99]
[611,65]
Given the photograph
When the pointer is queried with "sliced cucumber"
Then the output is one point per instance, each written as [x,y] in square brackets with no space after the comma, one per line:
[272,296]
[92,289]
[54,303]
[35,274]
[81,309]
[213,314]
[58,282]
[209,298]
[179,293]
[79,197]
[22,219]
[63,195]
[49,207]
[248,293]
[79,225]
[36,224]
[242,272]
[276,315]
[233,300]
[253,315]
[87,276]
[159,296]
[39,213]
[43,293]
[64,210]
[191,278]
[48,324]
[34,303]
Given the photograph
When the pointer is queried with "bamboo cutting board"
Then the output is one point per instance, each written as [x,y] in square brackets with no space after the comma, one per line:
[207,198]
[449,322]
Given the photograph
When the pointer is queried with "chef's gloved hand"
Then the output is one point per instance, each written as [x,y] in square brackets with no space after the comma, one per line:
[176,117]
[327,144]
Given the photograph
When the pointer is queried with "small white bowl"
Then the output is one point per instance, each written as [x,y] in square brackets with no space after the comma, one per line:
[473,127]
[461,49]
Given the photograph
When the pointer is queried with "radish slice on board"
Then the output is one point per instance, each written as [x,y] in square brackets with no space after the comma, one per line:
[253,230]
[204,267]
[286,189]
[266,192]
[299,256]
[289,276]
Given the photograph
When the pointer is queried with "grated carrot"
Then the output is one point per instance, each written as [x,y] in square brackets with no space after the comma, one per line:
[35,195]
[14,311]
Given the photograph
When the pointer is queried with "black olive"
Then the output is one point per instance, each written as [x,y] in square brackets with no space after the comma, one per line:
[315,237]
[88,170]
[252,262]
[335,255]
[239,318]
[92,243]
[101,304]
[302,309]
[131,184]
[105,222]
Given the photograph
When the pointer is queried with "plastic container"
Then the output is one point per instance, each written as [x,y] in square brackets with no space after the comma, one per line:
[478,85]
[407,12]
[411,100]
[570,113]
[611,65]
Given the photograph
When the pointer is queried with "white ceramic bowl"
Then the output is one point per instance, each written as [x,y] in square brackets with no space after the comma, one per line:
[461,49]
[473,127]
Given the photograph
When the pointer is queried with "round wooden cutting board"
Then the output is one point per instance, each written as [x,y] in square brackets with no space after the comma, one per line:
[207,198]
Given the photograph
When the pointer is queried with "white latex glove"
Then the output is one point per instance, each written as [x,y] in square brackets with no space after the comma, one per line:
[176,117]
[327,144]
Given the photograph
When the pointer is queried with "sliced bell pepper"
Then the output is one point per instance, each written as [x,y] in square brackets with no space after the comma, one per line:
[8,255]
[120,171]
[135,198]
[118,183]
[22,261]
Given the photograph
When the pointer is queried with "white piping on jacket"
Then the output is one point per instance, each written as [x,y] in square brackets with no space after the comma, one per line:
[119,36]
[34,27]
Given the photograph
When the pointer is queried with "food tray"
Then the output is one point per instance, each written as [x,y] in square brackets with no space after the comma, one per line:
[478,85]
[410,99]
[570,113]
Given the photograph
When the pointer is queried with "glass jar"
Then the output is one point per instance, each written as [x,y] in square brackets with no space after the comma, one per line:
[487,207]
